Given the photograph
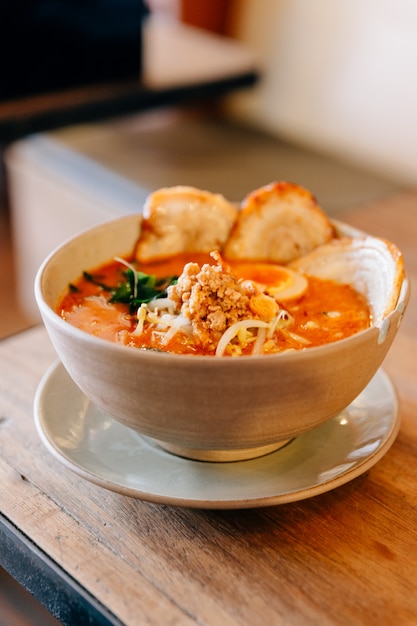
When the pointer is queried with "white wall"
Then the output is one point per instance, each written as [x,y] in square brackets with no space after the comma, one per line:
[338,75]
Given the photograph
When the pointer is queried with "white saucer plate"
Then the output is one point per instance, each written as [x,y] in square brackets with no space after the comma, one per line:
[107,453]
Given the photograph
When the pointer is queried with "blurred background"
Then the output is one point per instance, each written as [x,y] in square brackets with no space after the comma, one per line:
[114,99]
[103,101]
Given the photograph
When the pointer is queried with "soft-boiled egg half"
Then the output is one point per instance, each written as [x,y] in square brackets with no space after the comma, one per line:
[279,282]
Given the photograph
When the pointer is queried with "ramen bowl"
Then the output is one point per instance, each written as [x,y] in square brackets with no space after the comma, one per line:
[211,408]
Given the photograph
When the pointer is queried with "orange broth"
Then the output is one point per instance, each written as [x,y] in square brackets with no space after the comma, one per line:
[326,312]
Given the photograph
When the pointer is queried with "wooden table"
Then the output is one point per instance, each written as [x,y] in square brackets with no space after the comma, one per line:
[346,557]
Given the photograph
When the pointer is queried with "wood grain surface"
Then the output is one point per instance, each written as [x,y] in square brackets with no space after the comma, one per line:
[347,557]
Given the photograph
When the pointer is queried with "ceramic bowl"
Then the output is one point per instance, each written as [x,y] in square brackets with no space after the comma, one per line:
[217,408]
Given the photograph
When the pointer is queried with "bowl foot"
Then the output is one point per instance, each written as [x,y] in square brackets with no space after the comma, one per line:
[221,456]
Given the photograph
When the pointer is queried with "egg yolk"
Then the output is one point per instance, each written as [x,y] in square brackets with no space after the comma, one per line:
[278,281]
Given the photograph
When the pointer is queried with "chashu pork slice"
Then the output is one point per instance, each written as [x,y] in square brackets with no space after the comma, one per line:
[183,219]
[278,222]
[373,266]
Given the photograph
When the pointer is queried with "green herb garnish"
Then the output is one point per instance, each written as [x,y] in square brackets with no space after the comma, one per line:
[136,287]
[140,288]
[96,281]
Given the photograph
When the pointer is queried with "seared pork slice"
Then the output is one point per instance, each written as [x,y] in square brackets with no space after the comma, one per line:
[278,222]
[373,266]
[183,219]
